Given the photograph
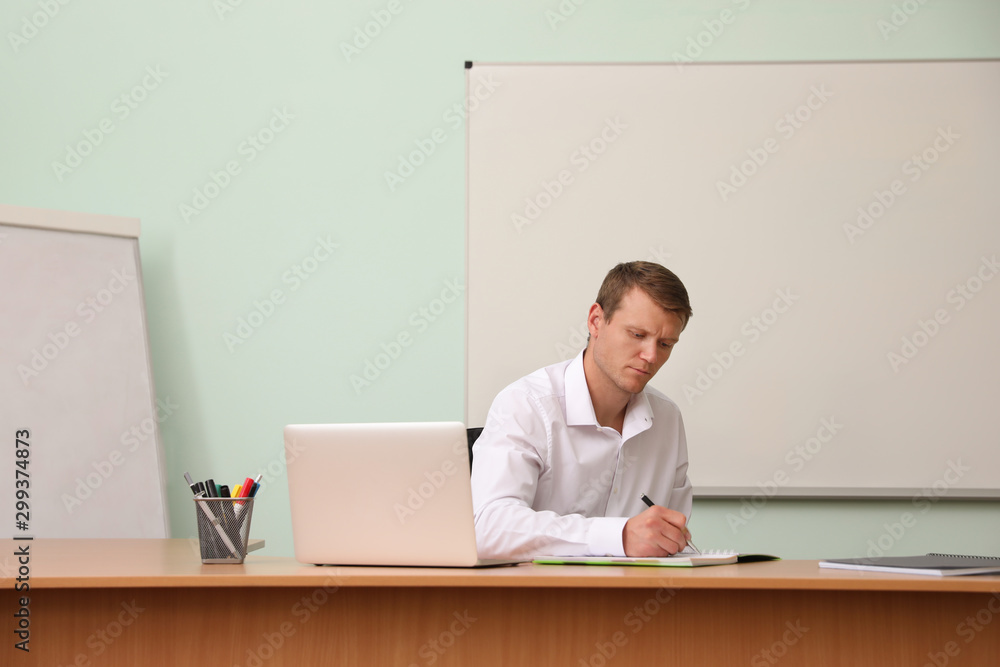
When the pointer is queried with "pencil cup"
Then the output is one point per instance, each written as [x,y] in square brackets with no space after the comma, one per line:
[223,528]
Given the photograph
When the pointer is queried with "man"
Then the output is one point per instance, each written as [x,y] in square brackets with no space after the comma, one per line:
[568,451]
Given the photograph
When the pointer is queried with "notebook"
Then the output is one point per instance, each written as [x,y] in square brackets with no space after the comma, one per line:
[935,565]
[683,559]
[382,494]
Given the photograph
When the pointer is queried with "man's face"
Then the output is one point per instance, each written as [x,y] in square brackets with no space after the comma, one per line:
[629,350]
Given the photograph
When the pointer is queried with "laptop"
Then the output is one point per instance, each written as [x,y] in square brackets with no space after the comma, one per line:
[382,494]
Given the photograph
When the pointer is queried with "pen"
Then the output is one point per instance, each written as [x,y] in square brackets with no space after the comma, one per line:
[650,503]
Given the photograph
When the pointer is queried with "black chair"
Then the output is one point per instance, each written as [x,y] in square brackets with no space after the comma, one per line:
[473,434]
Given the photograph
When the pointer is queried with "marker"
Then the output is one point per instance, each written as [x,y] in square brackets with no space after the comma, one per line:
[235,492]
[244,493]
[255,489]
[250,486]
[650,503]
[224,491]
[210,488]
[245,490]
[199,492]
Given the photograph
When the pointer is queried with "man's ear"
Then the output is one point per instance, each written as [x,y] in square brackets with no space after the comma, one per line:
[595,319]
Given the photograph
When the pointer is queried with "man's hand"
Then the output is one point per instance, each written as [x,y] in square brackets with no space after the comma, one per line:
[655,533]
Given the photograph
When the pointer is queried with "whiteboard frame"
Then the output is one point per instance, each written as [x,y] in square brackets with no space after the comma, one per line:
[107,225]
[735,491]
[70,221]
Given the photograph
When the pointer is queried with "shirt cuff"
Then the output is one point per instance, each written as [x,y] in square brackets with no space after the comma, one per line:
[605,536]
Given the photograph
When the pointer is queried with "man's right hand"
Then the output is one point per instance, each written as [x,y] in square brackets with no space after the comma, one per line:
[655,533]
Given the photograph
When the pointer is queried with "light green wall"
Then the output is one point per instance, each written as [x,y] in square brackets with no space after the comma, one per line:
[223,75]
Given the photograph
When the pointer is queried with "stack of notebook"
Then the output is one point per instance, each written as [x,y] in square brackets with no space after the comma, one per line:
[937,565]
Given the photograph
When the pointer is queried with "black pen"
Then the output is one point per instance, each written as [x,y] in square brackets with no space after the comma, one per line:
[650,503]
[197,488]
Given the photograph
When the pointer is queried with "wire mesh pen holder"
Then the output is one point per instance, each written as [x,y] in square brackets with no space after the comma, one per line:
[223,528]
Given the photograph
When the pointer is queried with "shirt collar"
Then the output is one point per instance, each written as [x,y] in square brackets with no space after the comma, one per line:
[638,415]
[580,408]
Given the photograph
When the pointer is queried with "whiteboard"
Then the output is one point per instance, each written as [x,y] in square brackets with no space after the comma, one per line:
[837,226]
[75,376]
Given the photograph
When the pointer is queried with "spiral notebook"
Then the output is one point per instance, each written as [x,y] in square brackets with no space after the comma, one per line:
[683,559]
[935,565]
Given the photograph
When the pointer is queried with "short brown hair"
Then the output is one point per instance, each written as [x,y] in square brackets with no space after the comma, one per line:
[660,283]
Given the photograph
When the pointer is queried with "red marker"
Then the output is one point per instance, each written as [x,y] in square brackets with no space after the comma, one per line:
[245,489]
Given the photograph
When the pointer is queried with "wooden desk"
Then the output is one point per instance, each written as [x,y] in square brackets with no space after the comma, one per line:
[151,602]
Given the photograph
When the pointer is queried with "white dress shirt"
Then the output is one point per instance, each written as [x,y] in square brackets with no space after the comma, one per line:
[547,479]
